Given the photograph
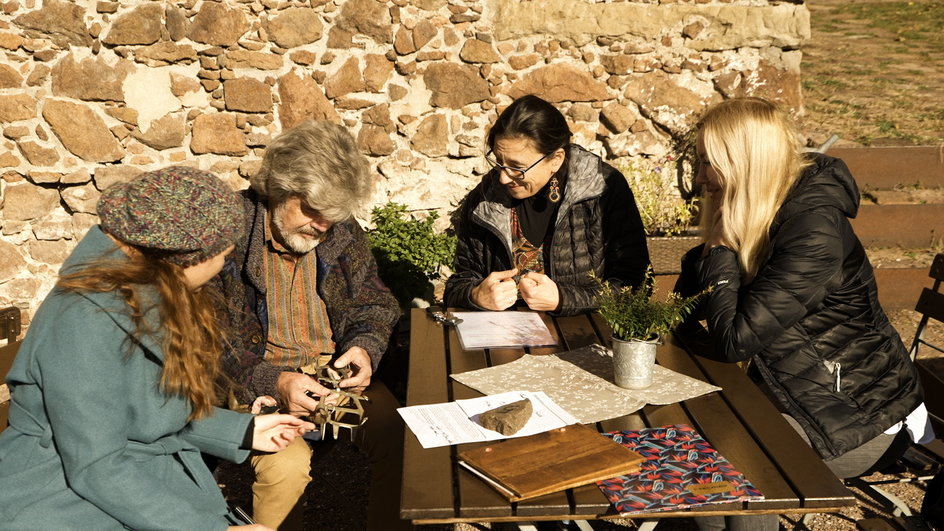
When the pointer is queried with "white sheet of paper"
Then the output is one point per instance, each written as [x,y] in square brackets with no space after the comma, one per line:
[502,329]
[455,422]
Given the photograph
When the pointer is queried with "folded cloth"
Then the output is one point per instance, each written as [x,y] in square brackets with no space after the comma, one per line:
[581,382]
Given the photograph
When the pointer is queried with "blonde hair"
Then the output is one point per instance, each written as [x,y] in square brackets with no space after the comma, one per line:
[754,148]
[320,163]
[192,338]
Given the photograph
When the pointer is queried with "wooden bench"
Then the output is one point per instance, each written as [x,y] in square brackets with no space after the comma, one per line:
[7,353]
[9,331]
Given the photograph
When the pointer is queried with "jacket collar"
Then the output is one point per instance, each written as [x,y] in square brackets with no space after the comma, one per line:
[584,181]
[96,245]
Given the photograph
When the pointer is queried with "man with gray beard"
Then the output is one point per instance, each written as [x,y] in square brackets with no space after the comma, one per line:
[301,286]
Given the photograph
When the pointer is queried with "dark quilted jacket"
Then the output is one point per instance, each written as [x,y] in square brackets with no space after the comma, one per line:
[598,229]
[360,308]
[811,320]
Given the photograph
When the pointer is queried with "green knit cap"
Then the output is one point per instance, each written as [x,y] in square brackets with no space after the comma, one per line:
[186,215]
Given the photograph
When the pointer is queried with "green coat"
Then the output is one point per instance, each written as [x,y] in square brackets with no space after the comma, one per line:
[93,443]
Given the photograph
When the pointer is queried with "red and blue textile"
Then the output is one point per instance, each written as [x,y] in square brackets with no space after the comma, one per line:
[677,458]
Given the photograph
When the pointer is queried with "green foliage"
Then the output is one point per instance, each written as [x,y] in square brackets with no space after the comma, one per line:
[662,209]
[634,314]
[408,250]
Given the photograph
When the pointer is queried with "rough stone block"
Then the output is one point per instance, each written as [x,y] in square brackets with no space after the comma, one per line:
[507,419]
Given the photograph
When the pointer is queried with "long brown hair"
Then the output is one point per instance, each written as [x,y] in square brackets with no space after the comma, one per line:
[192,338]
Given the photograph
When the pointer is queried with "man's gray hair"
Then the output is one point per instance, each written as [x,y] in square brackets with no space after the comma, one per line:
[319,162]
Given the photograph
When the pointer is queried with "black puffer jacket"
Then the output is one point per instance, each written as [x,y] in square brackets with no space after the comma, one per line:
[811,318]
[597,229]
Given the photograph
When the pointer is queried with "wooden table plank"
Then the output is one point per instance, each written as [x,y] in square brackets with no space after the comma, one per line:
[577,331]
[427,487]
[557,502]
[476,498]
[793,457]
[713,418]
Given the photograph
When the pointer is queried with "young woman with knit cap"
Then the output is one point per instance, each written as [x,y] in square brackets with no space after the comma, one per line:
[113,388]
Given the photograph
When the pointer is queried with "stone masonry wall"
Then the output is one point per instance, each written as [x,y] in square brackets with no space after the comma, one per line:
[93,92]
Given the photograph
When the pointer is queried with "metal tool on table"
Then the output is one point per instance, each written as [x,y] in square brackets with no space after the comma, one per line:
[442,317]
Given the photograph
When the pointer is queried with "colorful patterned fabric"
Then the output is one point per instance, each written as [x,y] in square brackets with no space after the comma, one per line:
[527,255]
[187,214]
[681,470]
[299,329]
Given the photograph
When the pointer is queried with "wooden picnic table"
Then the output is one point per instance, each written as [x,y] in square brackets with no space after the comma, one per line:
[739,421]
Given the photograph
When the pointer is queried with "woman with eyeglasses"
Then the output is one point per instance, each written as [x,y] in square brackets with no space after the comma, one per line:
[547,215]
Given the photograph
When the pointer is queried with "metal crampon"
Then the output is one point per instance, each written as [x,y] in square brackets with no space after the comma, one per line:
[347,413]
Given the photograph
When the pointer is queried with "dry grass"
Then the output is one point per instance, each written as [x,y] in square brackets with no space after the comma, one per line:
[873,71]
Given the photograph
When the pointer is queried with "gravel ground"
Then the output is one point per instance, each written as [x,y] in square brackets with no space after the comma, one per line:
[337,496]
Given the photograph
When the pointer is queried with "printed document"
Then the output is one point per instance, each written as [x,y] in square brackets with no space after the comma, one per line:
[456,422]
[502,329]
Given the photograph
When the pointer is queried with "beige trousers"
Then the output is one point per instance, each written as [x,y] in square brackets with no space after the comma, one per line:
[278,493]
[280,482]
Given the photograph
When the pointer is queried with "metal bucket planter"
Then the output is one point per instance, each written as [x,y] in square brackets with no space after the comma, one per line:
[633,361]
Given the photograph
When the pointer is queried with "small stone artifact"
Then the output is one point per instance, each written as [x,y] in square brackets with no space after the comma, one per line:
[507,419]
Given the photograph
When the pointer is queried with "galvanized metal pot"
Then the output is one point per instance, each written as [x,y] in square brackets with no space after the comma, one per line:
[633,361]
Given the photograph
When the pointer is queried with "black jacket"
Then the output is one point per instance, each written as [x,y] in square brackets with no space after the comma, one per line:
[810,319]
[597,229]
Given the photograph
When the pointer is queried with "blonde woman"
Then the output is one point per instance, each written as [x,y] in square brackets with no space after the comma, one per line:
[113,388]
[793,290]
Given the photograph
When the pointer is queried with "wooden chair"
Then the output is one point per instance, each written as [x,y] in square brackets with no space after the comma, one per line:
[921,461]
[9,331]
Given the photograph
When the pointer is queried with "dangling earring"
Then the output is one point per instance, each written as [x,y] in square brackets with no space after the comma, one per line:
[553,193]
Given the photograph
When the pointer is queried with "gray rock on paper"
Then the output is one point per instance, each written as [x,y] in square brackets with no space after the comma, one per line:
[507,419]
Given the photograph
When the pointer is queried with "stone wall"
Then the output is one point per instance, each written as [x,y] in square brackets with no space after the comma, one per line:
[92,92]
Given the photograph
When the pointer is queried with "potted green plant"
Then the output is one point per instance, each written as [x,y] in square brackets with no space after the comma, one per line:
[639,322]
[409,252]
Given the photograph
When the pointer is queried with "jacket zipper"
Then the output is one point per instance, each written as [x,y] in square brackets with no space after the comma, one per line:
[835,367]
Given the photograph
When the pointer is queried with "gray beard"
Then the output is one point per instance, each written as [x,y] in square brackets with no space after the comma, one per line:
[294,241]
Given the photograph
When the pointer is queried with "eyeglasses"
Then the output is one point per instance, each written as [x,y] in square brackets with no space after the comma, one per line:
[515,173]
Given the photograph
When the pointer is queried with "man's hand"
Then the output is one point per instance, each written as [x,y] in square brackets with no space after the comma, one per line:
[539,292]
[497,291]
[361,370]
[261,402]
[274,432]
[293,388]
